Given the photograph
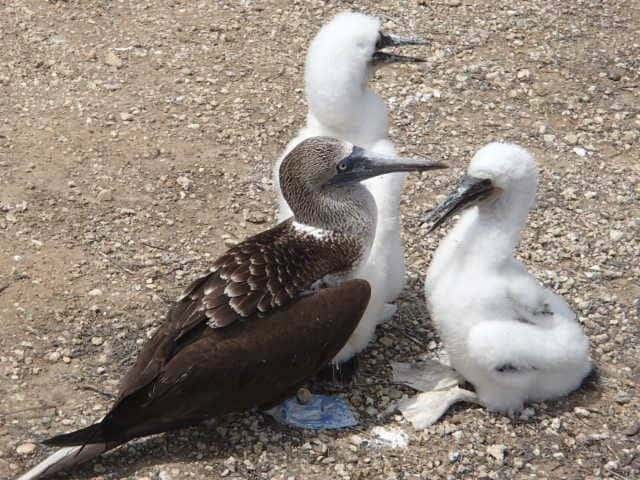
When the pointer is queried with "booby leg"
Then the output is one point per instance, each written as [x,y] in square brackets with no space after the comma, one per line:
[341,373]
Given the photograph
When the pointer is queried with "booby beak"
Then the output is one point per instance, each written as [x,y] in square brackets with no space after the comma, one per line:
[470,191]
[362,164]
[389,40]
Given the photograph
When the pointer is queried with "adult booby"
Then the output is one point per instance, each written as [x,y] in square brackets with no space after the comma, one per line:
[271,312]
[342,57]
[513,339]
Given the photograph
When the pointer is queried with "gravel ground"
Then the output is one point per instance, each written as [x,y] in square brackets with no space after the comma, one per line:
[136,139]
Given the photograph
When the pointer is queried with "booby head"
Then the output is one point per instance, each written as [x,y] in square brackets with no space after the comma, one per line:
[324,164]
[497,171]
[356,41]
[320,180]
[343,55]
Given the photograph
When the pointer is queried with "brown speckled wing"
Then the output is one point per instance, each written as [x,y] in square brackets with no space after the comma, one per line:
[257,276]
[263,273]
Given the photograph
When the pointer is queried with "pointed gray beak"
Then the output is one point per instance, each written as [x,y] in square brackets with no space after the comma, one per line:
[470,191]
[387,40]
[362,164]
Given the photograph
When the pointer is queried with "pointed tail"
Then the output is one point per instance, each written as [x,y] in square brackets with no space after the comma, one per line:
[65,458]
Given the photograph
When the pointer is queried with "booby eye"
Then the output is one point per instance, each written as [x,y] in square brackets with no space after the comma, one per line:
[343,166]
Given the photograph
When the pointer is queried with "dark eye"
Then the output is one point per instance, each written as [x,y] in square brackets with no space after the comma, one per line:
[342,166]
[383,41]
[379,43]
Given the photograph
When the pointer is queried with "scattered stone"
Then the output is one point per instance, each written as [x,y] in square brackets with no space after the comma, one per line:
[612,465]
[126,117]
[632,430]
[614,75]
[581,152]
[571,139]
[304,396]
[230,463]
[96,292]
[616,235]
[53,357]
[110,58]
[97,341]
[497,451]
[105,195]
[26,448]
[581,412]
[390,437]
[184,182]
[112,85]
[356,440]
[453,3]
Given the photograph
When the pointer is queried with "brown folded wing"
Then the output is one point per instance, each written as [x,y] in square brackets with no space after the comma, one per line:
[245,365]
[257,276]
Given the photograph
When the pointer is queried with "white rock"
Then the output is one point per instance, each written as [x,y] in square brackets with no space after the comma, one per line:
[616,235]
[497,451]
[26,448]
[581,152]
[390,437]
[53,357]
[612,465]
[184,182]
[581,412]
[96,292]
[112,59]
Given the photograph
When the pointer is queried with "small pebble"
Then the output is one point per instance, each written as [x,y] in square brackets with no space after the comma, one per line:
[497,451]
[581,412]
[26,448]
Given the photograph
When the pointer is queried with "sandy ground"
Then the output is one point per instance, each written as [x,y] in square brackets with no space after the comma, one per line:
[136,139]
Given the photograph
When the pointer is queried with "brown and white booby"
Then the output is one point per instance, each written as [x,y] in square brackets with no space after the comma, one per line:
[271,312]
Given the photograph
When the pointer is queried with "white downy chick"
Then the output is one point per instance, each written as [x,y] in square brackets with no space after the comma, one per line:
[513,339]
[341,59]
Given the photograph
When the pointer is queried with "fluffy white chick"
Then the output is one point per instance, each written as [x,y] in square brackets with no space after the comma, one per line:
[513,339]
[341,59]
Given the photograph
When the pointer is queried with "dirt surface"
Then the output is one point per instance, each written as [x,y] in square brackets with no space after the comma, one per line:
[136,141]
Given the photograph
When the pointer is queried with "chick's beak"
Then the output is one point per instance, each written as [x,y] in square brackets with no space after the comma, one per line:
[390,40]
[362,164]
[470,191]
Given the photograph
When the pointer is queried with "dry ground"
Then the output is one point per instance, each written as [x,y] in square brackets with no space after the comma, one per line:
[136,139]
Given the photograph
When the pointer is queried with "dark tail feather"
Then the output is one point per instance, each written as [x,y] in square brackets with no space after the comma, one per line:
[91,434]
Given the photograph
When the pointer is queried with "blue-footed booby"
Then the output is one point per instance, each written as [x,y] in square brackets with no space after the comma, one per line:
[342,57]
[514,340]
[272,310]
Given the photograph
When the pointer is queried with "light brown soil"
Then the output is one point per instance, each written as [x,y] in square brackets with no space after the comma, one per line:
[137,137]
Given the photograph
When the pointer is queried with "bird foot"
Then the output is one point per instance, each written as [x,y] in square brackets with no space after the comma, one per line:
[341,373]
[319,412]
